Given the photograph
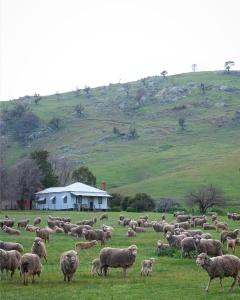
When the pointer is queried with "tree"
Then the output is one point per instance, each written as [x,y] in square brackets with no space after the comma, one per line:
[84,175]
[194,66]
[87,90]
[79,108]
[202,87]
[142,202]
[63,168]
[228,65]
[49,178]
[181,122]
[26,125]
[206,197]
[37,98]
[54,123]
[139,95]
[116,200]
[4,184]
[164,74]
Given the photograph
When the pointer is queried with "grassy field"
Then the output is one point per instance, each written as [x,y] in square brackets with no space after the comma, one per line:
[172,278]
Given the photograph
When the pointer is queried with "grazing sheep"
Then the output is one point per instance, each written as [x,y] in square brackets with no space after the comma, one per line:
[107,234]
[126,222]
[231,243]
[184,225]
[220,266]
[10,230]
[96,266]
[7,246]
[161,247]
[43,233]
[103,217]
[22,223]
[117,258]
[57,229]
[146,266]
[182,218]
[37,221]
[177,213]
[85,245]
[7,222]
[9,260]
[209,246]
[133,224]
[212,213]
[68,226]
[187,245]
[221,225]
[97,234]
[139,229]
[199,221]
[158,227]
[174,240]
[31,228]
[231,234]
[39,248]
[69,264]
[30,265]
[206,236]
[167,228]
[131,232]
[207,226]
[121,217]
[87,222]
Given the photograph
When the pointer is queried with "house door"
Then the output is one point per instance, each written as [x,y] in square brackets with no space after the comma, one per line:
[91,205]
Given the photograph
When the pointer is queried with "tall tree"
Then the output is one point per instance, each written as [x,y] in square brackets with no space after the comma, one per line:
[228,65]
[63,168]
[84,175]
[194,67]
[164,74]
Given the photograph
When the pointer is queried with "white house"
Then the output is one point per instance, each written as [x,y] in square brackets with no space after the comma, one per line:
[74,196]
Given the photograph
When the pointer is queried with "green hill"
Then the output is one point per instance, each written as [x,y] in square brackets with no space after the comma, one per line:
[129,134]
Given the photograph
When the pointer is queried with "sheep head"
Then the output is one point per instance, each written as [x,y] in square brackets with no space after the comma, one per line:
[133,249]
[203,260]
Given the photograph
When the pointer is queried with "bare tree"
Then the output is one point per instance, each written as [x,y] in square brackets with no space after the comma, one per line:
[37,98]
[228,65]
[194,66]
[181,122]
[205,197]
[63,168]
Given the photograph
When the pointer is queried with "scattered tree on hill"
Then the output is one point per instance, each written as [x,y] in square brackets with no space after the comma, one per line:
[37,98]
[202,87]
[87,90]
[139,95]
[116,131]
[132,133]
[228,65]
[49,179]
[194,67]
[54,123]
[206,197]
[181,122]
[84,175]
[79,108]
[164,74]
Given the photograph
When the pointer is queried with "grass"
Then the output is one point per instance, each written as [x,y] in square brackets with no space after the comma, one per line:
[172,278]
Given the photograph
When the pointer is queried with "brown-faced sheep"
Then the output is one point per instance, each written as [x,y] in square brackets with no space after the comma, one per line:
[174,240]
[210,246]
[117,258]
[69,264]
[11,246]
[22,223]
[97,234]
[7,222]
[85,245]
[96,266]
[231,234]
[87,222]
[37,221]
[30,265]
[187,246]
[220,266]
[43,233]
[9,260]
[146,266]
[39,248]
[10,230]
[131,232]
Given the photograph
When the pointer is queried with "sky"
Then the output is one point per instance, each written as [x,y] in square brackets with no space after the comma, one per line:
[49,46]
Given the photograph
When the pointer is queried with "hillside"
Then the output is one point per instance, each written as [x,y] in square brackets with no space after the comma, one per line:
[148,151]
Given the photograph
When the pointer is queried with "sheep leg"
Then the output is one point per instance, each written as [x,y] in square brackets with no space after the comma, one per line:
[105,270]
[124,272]
[221,283]
[234,282]
[45,258]
[33,279]
[12,273]
[208,285]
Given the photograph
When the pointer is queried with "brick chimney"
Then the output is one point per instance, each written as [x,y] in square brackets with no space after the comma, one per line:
[103,185]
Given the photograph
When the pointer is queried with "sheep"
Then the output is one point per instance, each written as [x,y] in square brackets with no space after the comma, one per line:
[182,218]
[10,230]
[199,221]
[161,246]
[11,246]
[22,223]
[121,218]
[87,222]
[232,243]
[133,224]
[9,260]
[139,229]
[96,266]
[103,217]
[158,227]
[174,240]
[184,225]
[209,246]
[146,266]
[187,245]
[31,228]
[39,248]
[177,213]
[97,234]
[7,222]
[207,226]
[220,266]
[206,236]
[57,229]
[212,213]
[231,234]
[107,234]
[43,233]
[131,232]
[221,225]
[37,221]
[167,228]
[68,226]
[69,264]
[30,265]
[117,258]
[85,245]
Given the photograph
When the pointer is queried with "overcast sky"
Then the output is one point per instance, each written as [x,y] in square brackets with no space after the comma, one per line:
[57,45]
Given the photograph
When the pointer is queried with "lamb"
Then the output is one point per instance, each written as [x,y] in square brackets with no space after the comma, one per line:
[57,229]
[231,234]
[85,245]
[103,217]
[174,240]
[187,245]
[117,258]
[97,234]
[9,260]
[146,266]
[22,223]
[220,266]
[69,264]
[232,243]
[131,232]
[107,234]
[30,265]
[39,248]
[43,233]
[37,221]
[7,246]
[96,266]
[209,246]
[10,230]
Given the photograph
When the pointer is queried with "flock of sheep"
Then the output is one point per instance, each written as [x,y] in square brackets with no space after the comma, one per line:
[181,233]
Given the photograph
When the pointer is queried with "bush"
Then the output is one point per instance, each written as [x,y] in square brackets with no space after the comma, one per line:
[130,209]
[142,202]
[116,200]
[115,209]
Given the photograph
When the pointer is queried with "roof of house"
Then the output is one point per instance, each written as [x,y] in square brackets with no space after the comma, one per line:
[76,188]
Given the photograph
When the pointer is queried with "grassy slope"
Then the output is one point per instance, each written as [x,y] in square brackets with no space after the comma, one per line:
[165,162]
[172,278]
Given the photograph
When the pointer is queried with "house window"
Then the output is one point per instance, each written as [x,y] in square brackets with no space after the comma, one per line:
[64,199]
[99,200]
[79,199]
[53,199]
[41,200]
